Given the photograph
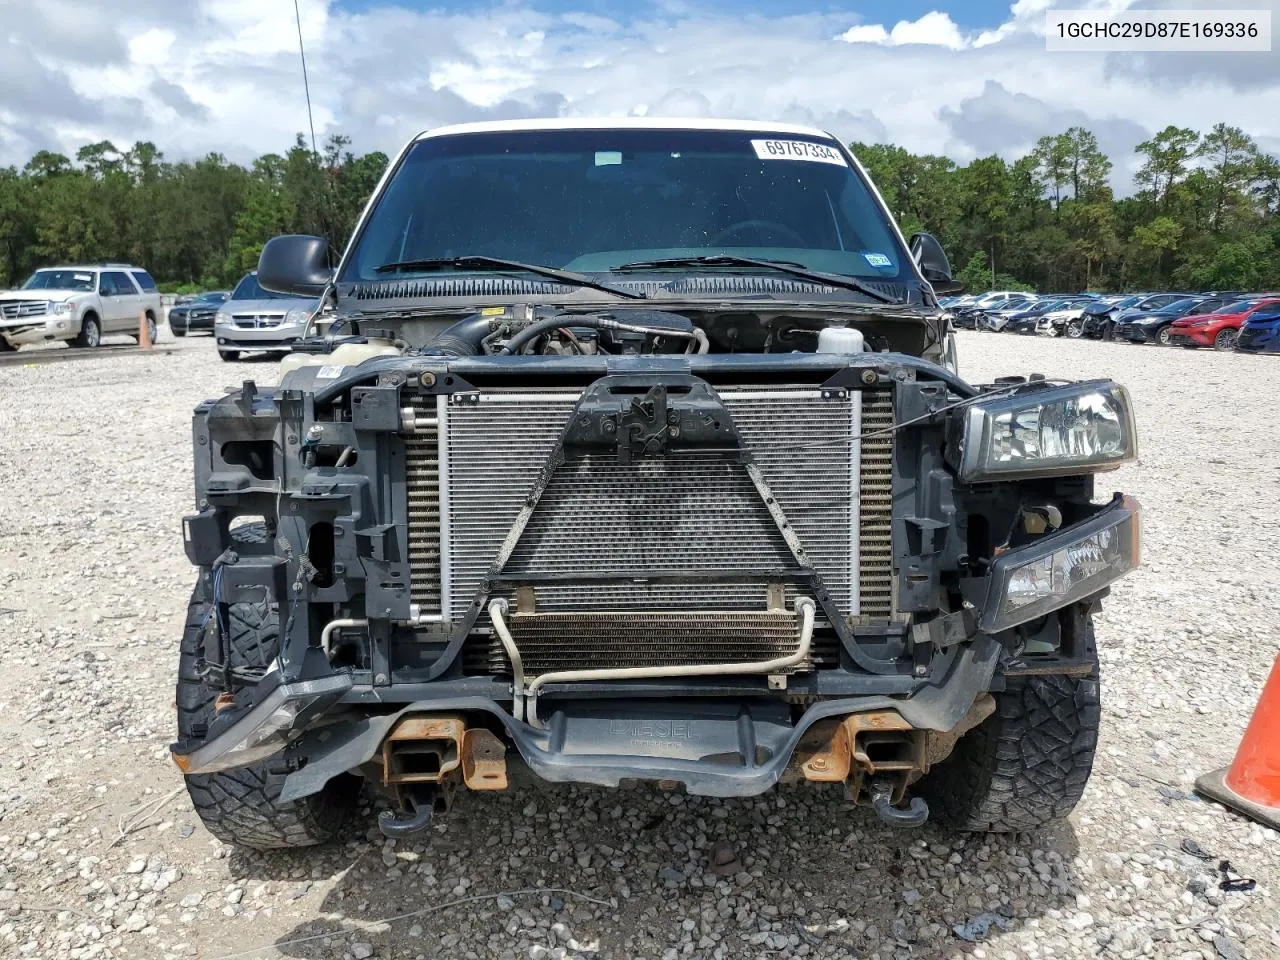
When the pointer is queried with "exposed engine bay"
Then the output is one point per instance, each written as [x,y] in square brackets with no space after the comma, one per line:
[529,330]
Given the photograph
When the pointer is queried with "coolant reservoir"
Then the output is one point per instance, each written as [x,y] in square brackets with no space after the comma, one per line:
[840,340]
[343,355]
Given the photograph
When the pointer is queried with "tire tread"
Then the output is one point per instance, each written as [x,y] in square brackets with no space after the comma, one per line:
[1025,765]
[242,806]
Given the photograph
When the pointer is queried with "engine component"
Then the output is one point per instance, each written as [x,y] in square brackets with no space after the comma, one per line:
[695,512]
[839,338]
[464,338]
[635,331]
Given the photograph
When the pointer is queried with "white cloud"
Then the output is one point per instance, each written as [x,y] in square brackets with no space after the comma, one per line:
[223,75]
[933,29]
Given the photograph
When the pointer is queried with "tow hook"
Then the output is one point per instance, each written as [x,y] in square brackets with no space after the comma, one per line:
[915,815]
[422,800]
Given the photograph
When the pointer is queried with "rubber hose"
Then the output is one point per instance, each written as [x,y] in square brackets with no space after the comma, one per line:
[545,325]
[462,339]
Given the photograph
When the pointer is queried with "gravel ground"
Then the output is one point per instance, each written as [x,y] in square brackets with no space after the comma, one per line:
[100,854]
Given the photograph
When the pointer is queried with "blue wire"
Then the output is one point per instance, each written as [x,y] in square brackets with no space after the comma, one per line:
[214,609]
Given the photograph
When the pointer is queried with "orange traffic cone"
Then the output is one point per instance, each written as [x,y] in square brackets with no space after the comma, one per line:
[1251,785]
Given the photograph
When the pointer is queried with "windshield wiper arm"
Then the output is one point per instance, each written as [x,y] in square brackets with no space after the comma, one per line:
[782,266]
[499,265]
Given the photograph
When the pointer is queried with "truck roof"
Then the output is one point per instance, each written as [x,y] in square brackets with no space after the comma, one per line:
[624,123]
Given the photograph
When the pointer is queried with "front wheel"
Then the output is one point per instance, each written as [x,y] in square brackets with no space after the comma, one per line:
[229,356]
[1226,340]
[1025,765]
[176,330]
[90,334]
[1075,329]
[243,806]
[1164,337]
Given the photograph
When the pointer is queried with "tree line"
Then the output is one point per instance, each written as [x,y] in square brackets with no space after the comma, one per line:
[1205,215]
[193,224]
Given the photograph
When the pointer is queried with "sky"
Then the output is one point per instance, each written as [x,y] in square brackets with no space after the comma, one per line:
[964,78]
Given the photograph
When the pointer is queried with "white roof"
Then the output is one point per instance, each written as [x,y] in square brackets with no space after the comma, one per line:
[85,267]
[624,123]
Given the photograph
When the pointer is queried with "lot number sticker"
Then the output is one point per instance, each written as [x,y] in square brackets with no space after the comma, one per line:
[797,150]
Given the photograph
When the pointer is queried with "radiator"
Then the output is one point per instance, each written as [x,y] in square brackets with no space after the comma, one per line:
[469,480]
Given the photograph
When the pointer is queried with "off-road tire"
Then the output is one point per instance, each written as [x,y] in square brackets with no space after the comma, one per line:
[242,806]
[86,339]
[1025,765]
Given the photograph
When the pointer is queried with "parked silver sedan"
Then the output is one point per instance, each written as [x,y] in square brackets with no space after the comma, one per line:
[254,319]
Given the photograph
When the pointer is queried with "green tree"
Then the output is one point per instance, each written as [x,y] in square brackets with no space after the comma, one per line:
[1168,155]
[1052,166]
[975,275]
[1232,157]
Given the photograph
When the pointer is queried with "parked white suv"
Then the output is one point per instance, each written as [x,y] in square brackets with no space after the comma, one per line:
[79,304]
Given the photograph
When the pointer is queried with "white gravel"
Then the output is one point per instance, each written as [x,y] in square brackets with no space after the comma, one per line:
[94,469]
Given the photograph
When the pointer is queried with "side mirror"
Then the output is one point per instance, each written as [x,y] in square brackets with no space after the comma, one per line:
[933,263]
[295,264]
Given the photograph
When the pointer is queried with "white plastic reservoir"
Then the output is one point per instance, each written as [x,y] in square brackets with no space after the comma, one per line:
[840,340]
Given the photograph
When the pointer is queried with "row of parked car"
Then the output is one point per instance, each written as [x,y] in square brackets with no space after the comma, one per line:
[246,319]
[1222,319]
[80,304]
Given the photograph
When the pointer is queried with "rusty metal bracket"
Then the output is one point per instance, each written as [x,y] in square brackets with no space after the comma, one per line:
[484,760]
[423,749]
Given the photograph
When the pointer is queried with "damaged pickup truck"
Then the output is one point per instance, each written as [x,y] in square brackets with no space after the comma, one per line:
[635,452]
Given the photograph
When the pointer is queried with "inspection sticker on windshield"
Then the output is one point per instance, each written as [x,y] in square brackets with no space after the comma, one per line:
[877,260]
[797,150]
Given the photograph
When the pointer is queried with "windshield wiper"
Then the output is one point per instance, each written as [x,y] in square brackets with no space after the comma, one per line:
[499,265]
[781,266]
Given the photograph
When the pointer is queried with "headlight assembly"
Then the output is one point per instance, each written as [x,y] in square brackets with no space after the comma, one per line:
[265,728]
[298,315]
[64,308]
[1063,568]
[1057,431]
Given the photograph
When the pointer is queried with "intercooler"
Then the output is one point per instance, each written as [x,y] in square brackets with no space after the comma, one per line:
[639,526]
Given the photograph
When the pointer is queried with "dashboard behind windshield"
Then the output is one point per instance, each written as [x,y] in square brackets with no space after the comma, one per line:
[593,200]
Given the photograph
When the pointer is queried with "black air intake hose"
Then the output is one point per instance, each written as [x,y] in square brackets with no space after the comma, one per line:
[659,325]
[463,339]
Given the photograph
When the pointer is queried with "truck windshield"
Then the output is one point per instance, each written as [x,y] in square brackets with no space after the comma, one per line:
[593,200]
[59,280]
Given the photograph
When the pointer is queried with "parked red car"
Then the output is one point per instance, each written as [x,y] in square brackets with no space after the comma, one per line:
[1219,329]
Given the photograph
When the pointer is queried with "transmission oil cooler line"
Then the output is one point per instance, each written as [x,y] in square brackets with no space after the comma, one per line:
[525,696]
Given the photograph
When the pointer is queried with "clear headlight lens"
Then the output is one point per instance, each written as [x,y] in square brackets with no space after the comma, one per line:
[264,729]
[63,308]
[298,315]
[1057,431]
[1063,568]
[221,319]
